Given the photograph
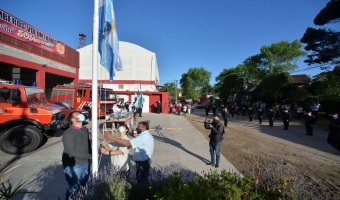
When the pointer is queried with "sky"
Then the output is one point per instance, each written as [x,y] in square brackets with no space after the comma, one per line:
[184,34]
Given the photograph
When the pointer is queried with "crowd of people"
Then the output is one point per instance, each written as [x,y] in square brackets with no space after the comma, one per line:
[262,111]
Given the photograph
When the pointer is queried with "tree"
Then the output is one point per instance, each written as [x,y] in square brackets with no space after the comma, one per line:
[170,88]
[229,82]
[326,85]
[253,70]
[280,57]
[193,82]
[323,44]
[274,89]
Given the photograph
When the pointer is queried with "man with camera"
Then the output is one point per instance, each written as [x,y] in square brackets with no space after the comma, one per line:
[216,136]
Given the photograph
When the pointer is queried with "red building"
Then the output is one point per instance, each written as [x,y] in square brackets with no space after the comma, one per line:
[31,55]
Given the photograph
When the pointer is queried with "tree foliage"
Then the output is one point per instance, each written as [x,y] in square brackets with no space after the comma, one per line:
[194,81]
[280,57]
[323,44]
[170,88]
[278,88]
[329,14]
[326,85]
[228,82]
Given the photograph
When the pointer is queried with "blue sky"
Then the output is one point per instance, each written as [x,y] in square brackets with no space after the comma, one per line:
[213,34]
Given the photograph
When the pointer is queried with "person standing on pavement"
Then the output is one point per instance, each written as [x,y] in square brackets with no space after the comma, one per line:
[285,119]
[250,113]
[216,137]
[119,154]
[77,153]
[309,123]
[207,109]
[225,115]
[271,115]
[159,106]
[143,146]
[260,113]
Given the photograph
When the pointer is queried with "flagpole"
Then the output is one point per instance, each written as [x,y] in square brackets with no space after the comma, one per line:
[95,89]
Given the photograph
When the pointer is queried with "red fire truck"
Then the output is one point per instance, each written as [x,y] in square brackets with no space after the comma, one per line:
[25,115]
[79,96]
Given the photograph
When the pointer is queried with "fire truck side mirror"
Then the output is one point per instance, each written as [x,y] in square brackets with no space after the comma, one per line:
[15,97]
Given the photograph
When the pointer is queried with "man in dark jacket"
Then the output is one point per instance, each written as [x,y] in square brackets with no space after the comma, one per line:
[260,113]
[76,154]
[216,137]
[225,115]
[309,123]
[271,115]
[250,113]
[285,119]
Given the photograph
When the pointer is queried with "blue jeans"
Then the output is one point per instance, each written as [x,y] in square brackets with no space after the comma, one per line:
[76,176]
[215,148]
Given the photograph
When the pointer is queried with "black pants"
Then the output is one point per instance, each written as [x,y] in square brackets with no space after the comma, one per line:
[271,122]
[260,119]
[142,173]
[225,121]
[309,129]
[285,124]
[139,111]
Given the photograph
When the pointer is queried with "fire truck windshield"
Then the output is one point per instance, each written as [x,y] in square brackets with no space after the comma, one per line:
[35,95]
[107,95]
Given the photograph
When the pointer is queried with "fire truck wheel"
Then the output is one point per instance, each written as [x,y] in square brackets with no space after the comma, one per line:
[20,139]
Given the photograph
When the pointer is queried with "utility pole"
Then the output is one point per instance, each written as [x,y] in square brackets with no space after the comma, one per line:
[175,91]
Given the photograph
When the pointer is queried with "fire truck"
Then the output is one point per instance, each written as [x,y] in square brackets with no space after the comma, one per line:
[79,96]
[25,115]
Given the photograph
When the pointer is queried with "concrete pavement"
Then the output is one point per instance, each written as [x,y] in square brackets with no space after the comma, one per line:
[178,146]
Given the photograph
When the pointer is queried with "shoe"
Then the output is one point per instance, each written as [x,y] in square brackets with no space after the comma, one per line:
[216,166]
[210,163]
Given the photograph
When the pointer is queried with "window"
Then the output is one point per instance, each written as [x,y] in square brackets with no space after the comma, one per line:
[137,86]
[79,93]
[120,86]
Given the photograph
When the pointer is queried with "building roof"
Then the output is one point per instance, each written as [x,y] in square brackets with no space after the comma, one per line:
[300,79]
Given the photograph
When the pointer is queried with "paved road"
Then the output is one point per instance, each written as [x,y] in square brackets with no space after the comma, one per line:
[178,146]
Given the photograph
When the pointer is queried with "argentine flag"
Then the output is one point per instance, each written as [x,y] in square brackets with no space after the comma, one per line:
[108,40]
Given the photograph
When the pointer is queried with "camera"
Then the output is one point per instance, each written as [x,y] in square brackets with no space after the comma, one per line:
[207,122]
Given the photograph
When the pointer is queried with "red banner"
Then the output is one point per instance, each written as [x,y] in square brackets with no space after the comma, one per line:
[20,30]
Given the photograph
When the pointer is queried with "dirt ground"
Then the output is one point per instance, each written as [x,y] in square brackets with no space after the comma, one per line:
[246,148]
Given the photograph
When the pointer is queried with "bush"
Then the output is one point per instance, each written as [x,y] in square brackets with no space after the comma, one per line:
[270,182]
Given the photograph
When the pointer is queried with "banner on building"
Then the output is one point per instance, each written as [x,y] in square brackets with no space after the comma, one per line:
[20,30]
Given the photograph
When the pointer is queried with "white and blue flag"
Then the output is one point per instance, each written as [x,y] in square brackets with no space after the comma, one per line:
[108,41]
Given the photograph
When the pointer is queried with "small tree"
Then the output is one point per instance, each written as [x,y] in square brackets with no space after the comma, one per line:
[193,82]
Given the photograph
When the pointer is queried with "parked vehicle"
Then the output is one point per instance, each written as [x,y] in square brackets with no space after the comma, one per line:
[25,115]
[69,109]
[80,96]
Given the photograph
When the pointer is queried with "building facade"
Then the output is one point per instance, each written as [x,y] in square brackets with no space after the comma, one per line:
[29,54]
[139,74]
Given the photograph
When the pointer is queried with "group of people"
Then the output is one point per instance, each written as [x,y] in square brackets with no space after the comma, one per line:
[261,109]
[77,153]
[178,108]
[123,109]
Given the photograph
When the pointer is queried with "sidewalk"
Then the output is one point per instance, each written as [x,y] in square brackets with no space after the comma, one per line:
[178,146]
